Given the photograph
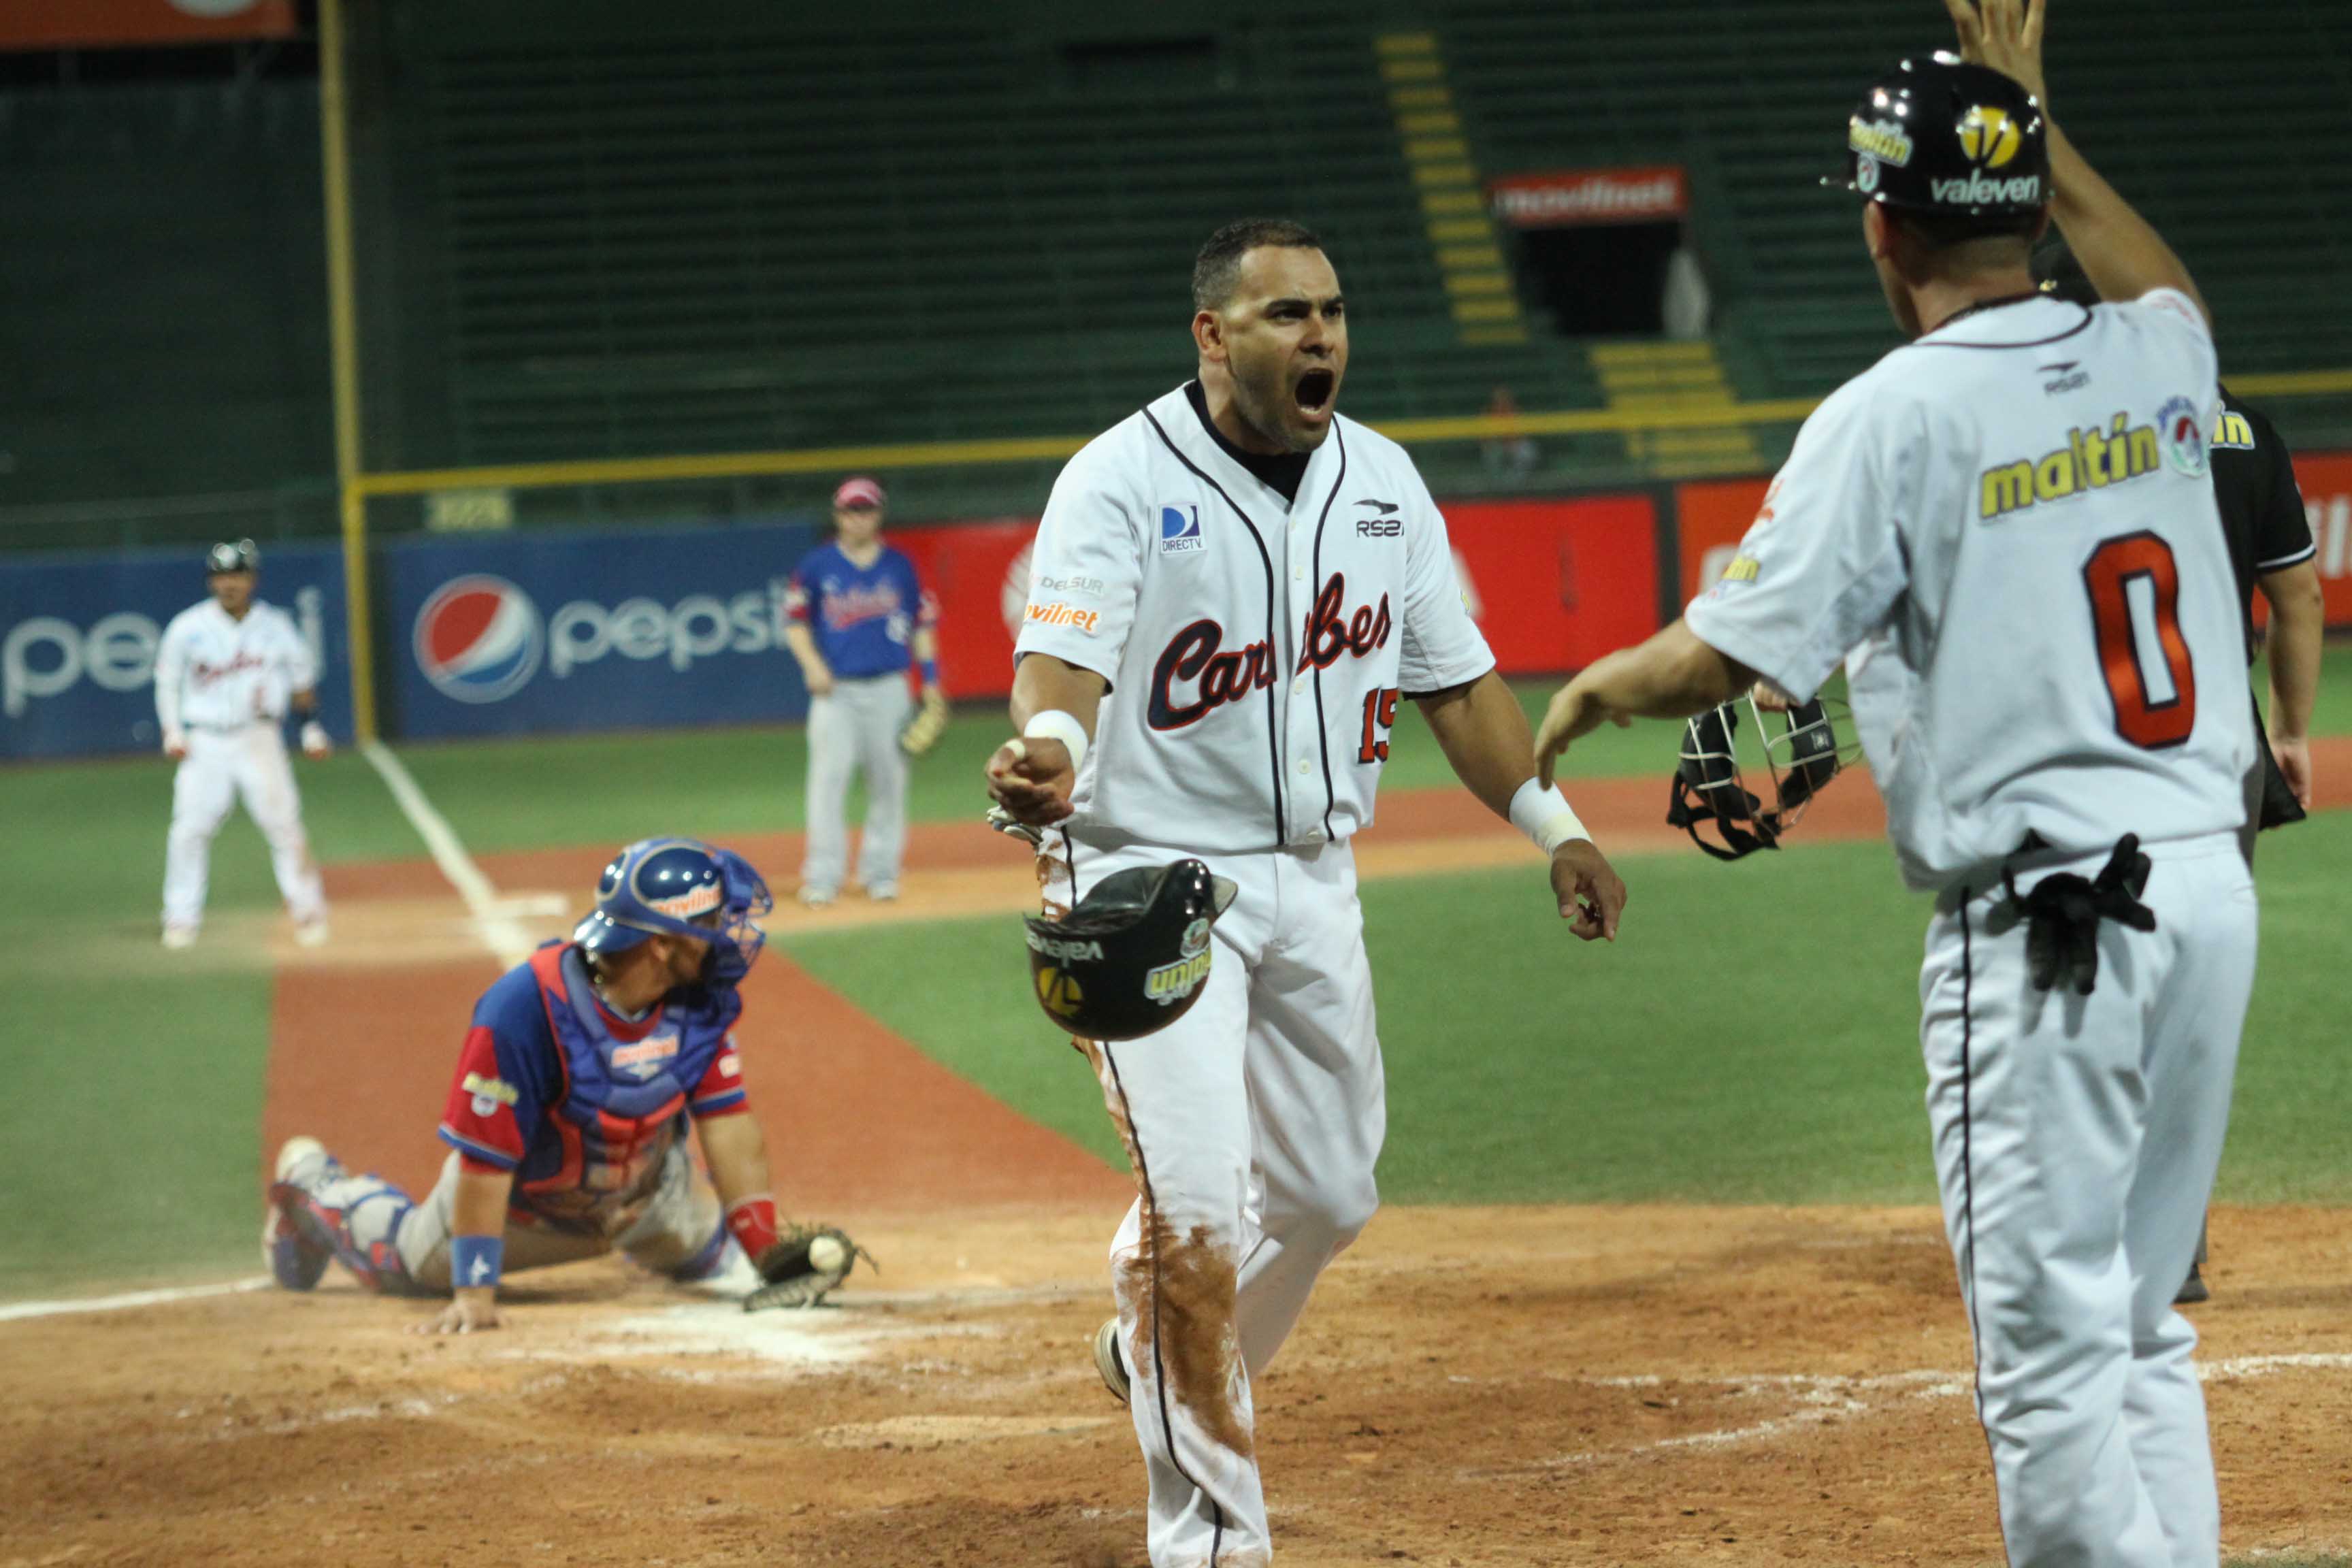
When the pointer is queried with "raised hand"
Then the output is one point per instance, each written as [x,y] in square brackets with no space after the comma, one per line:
[2005,34]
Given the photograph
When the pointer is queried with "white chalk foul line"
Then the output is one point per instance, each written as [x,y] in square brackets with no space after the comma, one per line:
[16,1312]
[1824,1397]
[494,918]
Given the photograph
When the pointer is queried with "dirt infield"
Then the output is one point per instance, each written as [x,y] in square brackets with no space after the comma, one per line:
[1563,1386]
[1472,1386]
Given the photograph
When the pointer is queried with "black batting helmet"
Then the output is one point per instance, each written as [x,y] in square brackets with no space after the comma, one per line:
[1943,136]
[232,555]
[1132,957]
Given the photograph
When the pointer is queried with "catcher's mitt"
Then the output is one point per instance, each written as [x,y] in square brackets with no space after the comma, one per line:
[921,733]
[803,1265]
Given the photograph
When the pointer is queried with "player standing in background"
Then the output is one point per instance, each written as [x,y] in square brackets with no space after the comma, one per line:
[2008,533]
[2272,553]
[856,610]
[225,673]
[567,1117]
[1231,590]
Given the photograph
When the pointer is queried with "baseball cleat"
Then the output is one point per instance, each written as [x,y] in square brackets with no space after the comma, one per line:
[883,892]
[816,898]
[311,933]
[2193,1290]
[295,1258]
[1110,1362]
[177,937]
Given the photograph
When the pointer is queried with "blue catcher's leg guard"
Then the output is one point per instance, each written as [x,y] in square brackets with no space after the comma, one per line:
[318,1211]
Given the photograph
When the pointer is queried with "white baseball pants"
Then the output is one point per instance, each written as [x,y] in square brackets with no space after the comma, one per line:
[2075,1143]
[221,767]
[855,729]
[1252,1123]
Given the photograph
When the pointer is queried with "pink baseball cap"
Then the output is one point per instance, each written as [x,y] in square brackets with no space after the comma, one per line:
[858,491]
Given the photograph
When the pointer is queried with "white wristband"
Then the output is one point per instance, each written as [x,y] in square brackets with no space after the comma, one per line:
[1054,724]
[1545,816]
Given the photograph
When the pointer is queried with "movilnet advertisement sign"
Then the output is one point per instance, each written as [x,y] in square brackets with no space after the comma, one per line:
[79,636]
[1568,198]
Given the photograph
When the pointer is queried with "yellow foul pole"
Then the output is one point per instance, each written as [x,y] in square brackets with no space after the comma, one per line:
[343,335]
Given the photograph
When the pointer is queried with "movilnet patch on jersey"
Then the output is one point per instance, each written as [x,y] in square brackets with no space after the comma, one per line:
[1179,530]
[2095,457]
[1060,615]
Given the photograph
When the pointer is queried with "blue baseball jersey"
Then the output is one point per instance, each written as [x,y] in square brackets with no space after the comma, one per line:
[579,1103]
[863,616]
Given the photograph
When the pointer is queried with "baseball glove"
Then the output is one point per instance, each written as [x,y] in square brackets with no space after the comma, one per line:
[803,1265]
[922,732]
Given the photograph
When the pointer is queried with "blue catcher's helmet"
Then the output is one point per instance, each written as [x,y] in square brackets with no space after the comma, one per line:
[686,888]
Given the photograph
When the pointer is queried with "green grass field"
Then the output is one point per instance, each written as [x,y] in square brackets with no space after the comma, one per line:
[1752,1038]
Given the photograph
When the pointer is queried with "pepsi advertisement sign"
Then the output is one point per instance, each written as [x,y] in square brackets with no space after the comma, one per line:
[79,636]
[607,631]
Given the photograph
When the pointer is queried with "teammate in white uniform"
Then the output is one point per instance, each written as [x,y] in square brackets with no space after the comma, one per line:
[2007,533]
[225,673]
[1230,592]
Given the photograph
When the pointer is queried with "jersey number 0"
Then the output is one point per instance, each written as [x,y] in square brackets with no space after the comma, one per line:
[2110,575]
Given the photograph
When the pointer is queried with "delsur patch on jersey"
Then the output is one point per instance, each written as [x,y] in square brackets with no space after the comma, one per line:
[1179,530]
[488,1093]
[2095,457]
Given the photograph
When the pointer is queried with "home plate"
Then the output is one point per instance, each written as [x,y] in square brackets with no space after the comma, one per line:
[796,1339]
[932,1431]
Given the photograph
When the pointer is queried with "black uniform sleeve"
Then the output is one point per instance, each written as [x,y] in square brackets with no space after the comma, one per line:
[2281,530]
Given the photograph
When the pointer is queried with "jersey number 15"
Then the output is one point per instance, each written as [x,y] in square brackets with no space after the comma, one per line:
[2118,567]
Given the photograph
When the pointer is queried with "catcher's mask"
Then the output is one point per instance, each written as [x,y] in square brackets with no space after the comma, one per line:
[1132,957]
[687,888]
[1801,757]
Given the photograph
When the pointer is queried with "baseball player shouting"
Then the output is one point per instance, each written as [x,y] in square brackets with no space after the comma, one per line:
[1231,590]
[857,609]
[2007,533]
[225,673]
[567,1117]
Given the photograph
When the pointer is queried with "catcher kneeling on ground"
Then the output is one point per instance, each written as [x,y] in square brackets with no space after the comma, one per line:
[568,1112]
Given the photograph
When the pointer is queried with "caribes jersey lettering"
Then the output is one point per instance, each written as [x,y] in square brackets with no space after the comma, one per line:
[1196,655]
[1254,642]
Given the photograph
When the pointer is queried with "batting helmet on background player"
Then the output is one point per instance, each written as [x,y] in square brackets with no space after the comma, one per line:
[232,555]
[673,886]
[1131,958]
[1942,136]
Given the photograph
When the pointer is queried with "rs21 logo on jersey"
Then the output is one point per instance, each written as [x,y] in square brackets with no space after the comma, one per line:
[1179,530]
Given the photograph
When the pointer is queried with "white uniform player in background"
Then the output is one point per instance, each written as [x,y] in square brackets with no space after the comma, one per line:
[226,674]
[1231,590]
[2007,533]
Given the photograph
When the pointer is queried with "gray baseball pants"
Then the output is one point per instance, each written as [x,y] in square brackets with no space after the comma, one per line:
[855,729]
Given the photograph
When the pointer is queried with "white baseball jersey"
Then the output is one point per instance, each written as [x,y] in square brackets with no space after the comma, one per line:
[214,673]
[2011,525]
[1256,648]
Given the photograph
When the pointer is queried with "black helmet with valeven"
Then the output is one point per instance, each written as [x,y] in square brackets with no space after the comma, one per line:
[1943,136]
[1132,957]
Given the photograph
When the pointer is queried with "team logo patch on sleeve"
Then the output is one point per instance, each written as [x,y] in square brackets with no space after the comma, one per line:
[1179,530]
[2182,435]
[488,1093]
